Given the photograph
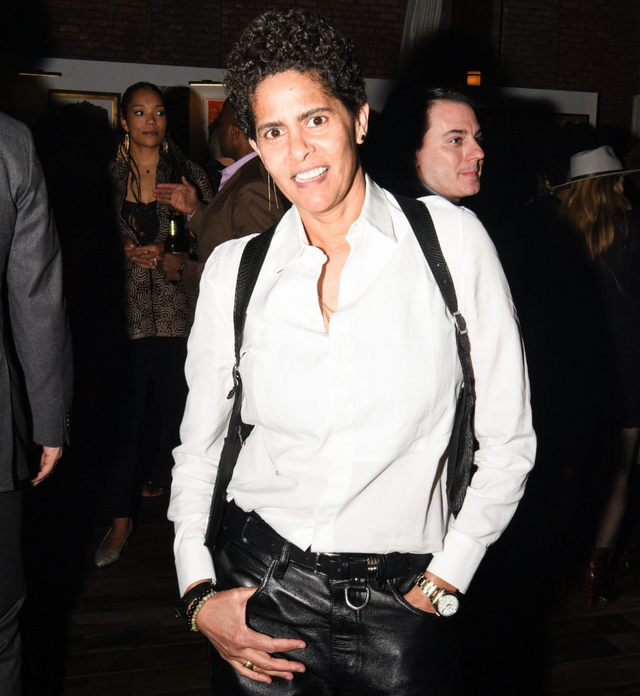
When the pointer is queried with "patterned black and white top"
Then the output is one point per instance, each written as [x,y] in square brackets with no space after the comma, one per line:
[153,307]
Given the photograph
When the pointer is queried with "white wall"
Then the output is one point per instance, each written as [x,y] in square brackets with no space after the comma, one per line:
[26,97]
[559,101]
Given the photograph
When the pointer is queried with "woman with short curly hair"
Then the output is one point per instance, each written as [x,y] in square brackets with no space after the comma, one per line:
[339,547]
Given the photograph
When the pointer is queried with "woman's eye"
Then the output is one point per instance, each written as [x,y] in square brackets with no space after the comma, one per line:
[317,120]
[273,133]
[137,112]
[160,113]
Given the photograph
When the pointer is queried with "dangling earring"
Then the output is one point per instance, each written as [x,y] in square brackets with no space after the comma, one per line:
[275,193]
[165,146]
[123,149]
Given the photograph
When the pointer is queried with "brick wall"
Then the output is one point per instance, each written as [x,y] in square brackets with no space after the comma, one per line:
[580,45]
[201,32]
[586,45]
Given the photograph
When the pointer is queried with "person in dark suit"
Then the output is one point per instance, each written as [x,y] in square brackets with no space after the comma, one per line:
[35,364]
[247,202]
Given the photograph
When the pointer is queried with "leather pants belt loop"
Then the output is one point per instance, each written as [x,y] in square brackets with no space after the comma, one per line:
[375,568]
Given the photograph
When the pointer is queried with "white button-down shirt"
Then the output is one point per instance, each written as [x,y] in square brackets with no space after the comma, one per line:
[348,452]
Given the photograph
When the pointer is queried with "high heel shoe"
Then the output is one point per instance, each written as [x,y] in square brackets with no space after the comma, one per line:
[591,581]
[107,557]
[609,591]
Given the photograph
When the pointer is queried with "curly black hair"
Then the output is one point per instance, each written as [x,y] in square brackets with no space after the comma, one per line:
[292,39]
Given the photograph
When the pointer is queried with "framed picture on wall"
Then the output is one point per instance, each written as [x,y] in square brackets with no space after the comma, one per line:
[214,107]
[205,103]
[92,102]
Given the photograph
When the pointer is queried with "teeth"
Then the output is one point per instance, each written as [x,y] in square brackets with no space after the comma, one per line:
[312,174]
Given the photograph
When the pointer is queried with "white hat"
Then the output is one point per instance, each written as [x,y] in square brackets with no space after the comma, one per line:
[592,164]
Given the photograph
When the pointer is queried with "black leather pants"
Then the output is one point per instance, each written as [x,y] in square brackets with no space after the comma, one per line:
[387,648]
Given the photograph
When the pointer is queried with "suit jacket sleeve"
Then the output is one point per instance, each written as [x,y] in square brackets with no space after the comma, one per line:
[246,211]
[36,308]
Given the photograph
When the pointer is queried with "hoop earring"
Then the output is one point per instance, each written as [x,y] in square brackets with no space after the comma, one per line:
[165,146]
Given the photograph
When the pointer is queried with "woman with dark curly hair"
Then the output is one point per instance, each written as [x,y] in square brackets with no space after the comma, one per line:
[158,314]
[346,537]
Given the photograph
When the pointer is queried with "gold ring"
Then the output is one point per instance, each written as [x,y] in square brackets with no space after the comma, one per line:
[248,665]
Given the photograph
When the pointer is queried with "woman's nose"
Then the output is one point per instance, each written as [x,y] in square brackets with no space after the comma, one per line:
[299,145]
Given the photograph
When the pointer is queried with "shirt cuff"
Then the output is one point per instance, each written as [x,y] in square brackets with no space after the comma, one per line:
[193,562]
[459,559]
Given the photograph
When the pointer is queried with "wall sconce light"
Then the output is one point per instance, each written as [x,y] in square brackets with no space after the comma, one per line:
[474,77]
[206,83]
[40,73]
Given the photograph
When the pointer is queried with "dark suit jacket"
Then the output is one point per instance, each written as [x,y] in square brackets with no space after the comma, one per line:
[241,207]
[35,351]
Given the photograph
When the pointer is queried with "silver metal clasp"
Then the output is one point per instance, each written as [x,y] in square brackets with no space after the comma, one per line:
[461,324]
[373,568]
[316,565]
[350,604]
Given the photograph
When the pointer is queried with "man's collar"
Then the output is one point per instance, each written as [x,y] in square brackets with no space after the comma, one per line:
[229,171]
[415,188]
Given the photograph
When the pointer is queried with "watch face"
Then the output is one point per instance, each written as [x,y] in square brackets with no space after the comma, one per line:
[448,605]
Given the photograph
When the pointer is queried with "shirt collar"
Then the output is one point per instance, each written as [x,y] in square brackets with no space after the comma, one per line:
[429,190]
[374,216]
[229,171]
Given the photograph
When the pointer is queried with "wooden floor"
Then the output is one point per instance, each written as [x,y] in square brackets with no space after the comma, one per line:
[90,631]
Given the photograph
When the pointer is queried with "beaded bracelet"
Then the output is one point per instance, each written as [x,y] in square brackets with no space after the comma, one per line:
[195,608]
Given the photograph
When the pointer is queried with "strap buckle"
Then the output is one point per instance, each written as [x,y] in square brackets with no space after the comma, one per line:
[461,323]
[316,565]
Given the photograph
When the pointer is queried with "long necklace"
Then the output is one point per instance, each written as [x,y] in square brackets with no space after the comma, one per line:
[325,309]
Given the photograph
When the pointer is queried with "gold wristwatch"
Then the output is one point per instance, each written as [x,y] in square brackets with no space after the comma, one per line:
[445,602]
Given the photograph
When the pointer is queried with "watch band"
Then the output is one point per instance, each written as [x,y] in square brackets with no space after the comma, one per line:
[435,593]
[198,590]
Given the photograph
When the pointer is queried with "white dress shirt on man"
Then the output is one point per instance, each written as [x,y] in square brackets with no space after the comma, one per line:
[348,452]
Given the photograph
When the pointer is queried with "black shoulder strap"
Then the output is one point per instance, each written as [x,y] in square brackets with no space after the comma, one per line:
[253,257]
[463,442]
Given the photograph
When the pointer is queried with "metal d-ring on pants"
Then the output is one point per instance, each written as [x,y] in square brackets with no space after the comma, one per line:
[385,648]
